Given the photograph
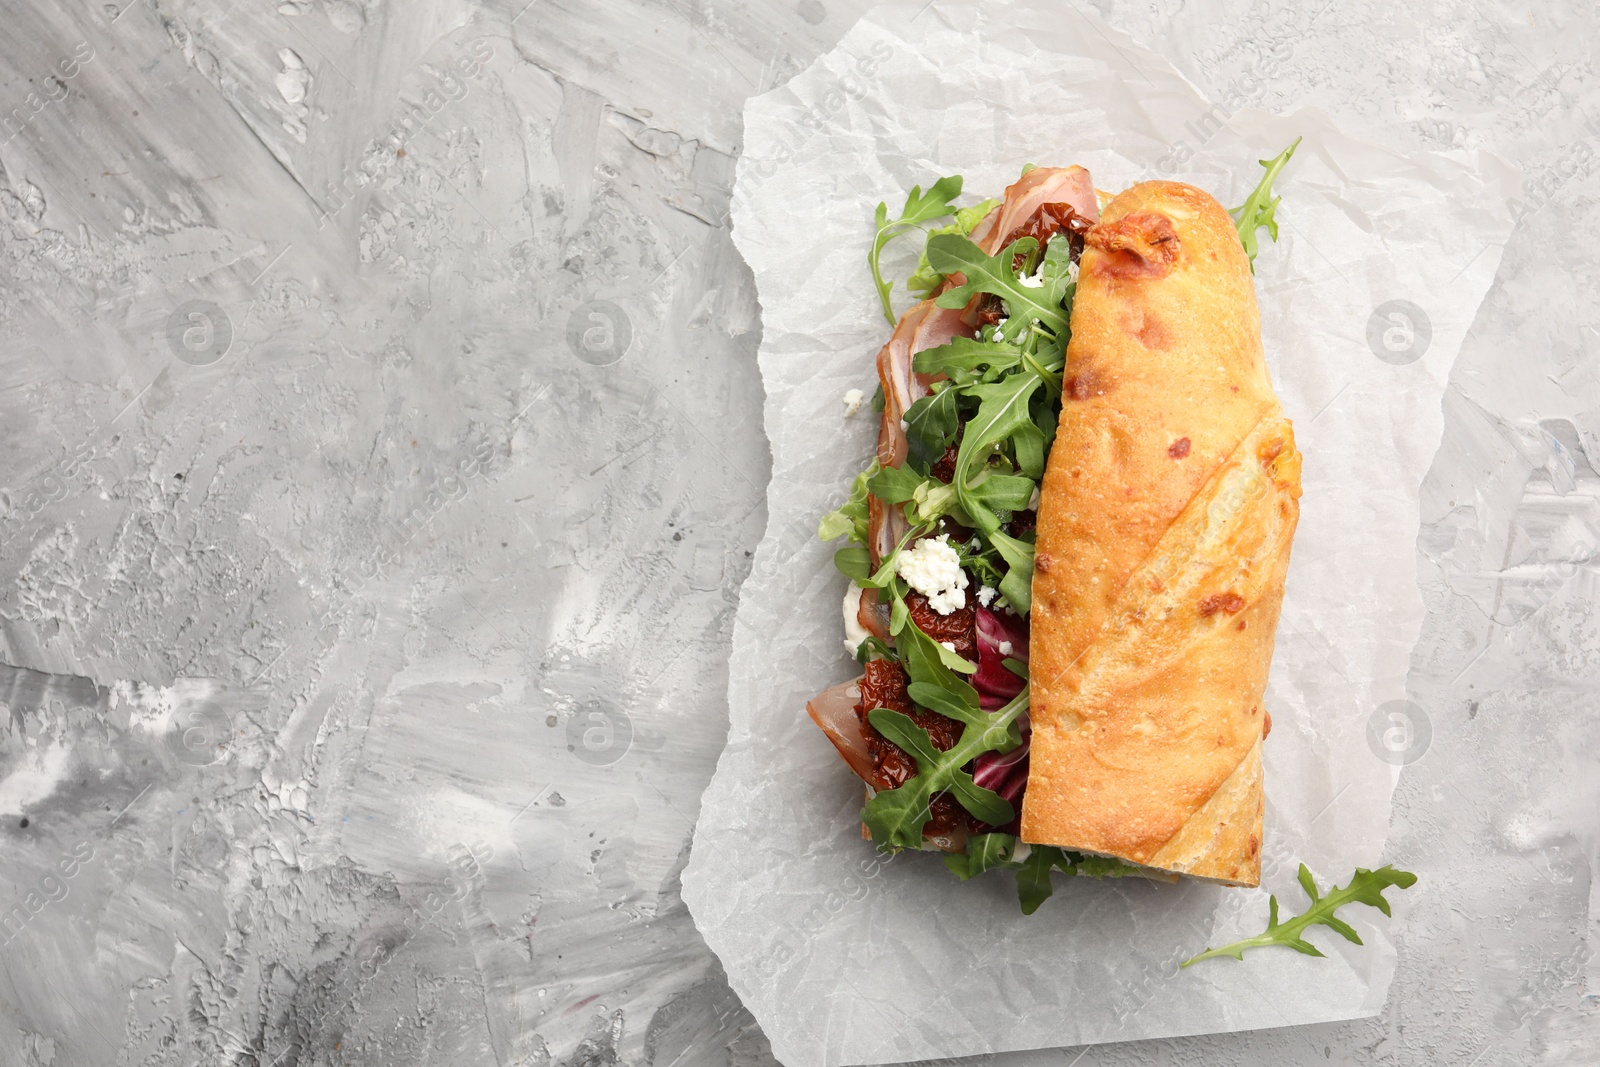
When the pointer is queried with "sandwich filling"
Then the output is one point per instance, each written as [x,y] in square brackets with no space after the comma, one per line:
[941,531]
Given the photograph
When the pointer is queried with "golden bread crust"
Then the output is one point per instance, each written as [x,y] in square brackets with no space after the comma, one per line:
[1167,510]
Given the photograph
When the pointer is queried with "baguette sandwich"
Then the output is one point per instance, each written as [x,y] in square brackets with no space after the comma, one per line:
[1068,554]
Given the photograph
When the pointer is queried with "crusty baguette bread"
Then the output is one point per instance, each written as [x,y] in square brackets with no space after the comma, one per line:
[1165,519]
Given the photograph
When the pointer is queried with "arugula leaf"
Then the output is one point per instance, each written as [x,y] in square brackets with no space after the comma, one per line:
[962,357]
[1002,411]
[895,817]
[854,562]
[931,425]
[1017,585]
[851,516]
[901,813]
[1002,492]
[920,207]
[964,709]
[984,852]
[924,280]
[1033,876]
[894,485]
[877,399]
[1032,443]
[871,646]
[1260,207]
[952,253]
[1055,274]
[1366,887]
[933,499]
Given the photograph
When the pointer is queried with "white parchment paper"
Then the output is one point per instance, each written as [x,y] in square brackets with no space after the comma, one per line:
[849,957]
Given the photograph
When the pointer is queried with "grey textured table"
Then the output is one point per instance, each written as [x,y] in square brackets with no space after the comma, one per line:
[382,457]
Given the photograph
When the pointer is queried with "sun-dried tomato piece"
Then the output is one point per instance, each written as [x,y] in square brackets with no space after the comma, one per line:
[960,627]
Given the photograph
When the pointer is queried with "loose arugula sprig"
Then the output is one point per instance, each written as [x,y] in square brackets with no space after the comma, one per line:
[1365,888]
[1260,207]
[920,207]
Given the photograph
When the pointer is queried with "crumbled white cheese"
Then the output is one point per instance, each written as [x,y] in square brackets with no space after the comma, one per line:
[933,568]
[1032,281]
[1072,272]
[854,632]
[986,594]
[951,645]
[904,425]
[1033,501]
[852,402]
[1005,648]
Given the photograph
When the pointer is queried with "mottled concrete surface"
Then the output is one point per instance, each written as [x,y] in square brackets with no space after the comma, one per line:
[382,456]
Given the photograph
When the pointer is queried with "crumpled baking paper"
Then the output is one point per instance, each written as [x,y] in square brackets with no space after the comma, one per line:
[846,956]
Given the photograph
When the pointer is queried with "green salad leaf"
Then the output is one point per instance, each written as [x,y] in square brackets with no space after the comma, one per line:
[1366,887]
[920,207]
[895,817]
[1260,207]
[966,360]
[931,424]
[1003,411]
[851,516]
[952,253]
[924,280]
[1017,586]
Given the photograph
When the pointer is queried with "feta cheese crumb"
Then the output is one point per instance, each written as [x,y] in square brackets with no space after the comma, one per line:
[986,594]
[933,568]
[1032,281]
[852,402]
[1033,501]
[951,645]
[854,632]
[1005,648]
[1072,272]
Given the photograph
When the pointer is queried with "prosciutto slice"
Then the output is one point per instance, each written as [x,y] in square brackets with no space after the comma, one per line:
[834,710]
[922,327]
[1025,196]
